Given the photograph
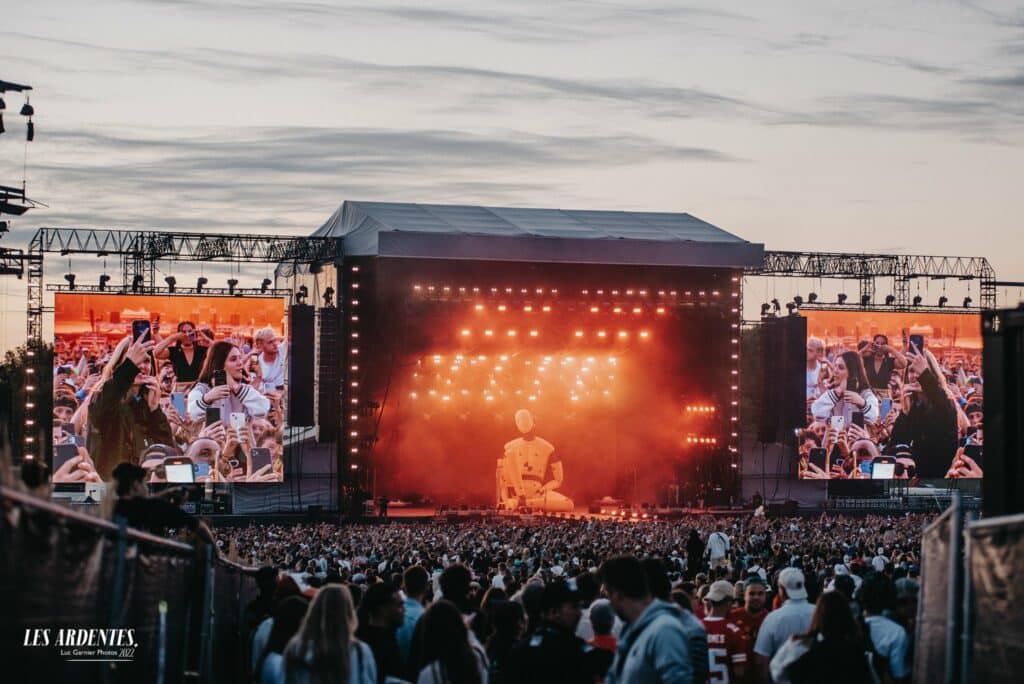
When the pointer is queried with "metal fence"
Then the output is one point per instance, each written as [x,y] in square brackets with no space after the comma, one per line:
[62,570]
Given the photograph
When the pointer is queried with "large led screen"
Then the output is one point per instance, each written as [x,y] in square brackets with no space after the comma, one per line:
[191,388]
[892,395]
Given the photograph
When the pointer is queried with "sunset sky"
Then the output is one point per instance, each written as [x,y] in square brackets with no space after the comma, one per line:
[890,127]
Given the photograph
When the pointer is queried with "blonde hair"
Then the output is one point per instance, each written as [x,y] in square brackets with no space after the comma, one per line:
[265,334]
[816,342]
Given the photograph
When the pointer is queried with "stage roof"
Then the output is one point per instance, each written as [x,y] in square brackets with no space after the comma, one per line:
[442,231]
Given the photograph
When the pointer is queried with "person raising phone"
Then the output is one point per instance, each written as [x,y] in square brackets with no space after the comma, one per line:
[124,415]
[221,385]
[186,349]
[850,391]
[927,415]
[880,361]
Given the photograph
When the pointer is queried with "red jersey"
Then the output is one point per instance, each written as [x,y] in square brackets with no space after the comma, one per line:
[751,624]
[727,649]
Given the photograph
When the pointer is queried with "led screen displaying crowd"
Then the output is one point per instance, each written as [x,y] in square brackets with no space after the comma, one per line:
[190,388]
[892,395]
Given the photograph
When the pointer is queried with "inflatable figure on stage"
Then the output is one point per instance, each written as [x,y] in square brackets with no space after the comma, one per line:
[523,472]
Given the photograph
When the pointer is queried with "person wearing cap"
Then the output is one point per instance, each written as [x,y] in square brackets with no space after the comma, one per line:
[727,643]
[754,609]
[554,653]
[791,618]
[651,647]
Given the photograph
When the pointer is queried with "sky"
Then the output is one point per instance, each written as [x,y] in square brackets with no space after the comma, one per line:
[891,127]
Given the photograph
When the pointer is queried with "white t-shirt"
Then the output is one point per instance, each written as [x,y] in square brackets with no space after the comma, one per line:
[273,373]
[718,544]
[812,381]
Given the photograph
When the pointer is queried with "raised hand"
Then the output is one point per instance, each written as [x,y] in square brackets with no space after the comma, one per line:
[140,349]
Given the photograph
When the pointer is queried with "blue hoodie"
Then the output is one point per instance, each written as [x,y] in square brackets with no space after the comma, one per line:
[654,649]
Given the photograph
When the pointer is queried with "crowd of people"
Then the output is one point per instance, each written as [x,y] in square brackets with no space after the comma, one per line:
[189,405]
[704,599]
[878,411]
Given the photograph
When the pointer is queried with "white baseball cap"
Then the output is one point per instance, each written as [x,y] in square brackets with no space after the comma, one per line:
[792,580]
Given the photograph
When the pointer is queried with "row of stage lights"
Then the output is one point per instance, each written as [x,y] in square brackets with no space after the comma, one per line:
[31,387]
[138,286]
[512,333]
[775,307]
[547,308]
[629,292]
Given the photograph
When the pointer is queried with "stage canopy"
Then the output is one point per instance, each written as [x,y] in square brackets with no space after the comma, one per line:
[442,231]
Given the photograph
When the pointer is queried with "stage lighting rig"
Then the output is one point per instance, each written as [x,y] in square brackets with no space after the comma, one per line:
[265,285]
[841,298]
[301,294]
[200,281]
[329,296]
[171,283]
[967,302]
[917,300]
[70,277]
[137,281]
[232,284]
[104,279]
[943,300]
[890,300]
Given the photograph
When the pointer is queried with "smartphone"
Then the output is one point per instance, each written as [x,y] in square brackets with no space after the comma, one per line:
[179,469]
[78,440]
[219,378]
[260,457]
[62,453]
[178,402]
[68,428]
[885,406]
[918,342]
[139,328]
[837,422]
[212,414]
[202,469]
[858,418]
[817,457]
[191,335]
[866,468]
[237,420]
[837,461]
[882,468]
[975,451]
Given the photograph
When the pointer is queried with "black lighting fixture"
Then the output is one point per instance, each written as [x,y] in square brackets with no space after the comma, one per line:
[812,297]
[232,284]
[917,300]
[316,267]
[765,308]
[890,299]
[171,282]
[104,279]
[28,110]
[265,285]
[776,307]
[137,280]
[943,300]
[967,302]
[70,277]
[4,226]
[798,300]
[200,281]
[301,295]
[865,299]
[329,296]
[3,106]
[791,308]
[842,298]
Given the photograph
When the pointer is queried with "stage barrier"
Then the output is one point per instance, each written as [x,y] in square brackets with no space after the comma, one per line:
[60,569]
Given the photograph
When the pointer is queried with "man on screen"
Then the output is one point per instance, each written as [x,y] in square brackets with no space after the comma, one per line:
[271,360]
[523,470]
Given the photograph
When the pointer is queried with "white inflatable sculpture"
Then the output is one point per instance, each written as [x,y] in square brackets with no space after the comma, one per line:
[523,470]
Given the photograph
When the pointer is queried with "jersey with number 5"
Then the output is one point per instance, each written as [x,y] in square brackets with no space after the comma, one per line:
[727,650]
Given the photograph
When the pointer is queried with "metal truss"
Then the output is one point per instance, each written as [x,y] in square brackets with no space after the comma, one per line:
[177,292]
[867,268]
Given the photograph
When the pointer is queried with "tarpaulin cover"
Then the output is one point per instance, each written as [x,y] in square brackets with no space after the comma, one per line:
[997,556]
[930,651]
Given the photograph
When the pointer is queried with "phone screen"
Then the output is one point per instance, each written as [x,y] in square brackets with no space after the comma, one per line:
[202,469]
[178,402]
[885,406]
[817,457]
[883,471]
[975,451]
[260,457]
[865,467]
[179,472]
[62,453]
[139,328]
[837,422]
[212,414]
[858,418]
[917,341]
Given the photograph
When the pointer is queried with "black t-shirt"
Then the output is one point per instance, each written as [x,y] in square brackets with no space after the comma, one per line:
[879,379]
[153,515]
[183,370]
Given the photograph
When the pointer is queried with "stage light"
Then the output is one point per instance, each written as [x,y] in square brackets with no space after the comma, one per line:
[200,282]
[511,333]
[623,334]
[579,333]
[812,297]
[841,298]
[594,309]
[534,333]
[765,308]
[644,334]
[890,300]
[527,308]
[27,109]
[465,333]
[546,309]
[917,300]
[232,284]
[265,285]
[137,281]
[943,300]
[798,300]
[865,299]
[315,268]
[776,307]
[300,296]
[790,307]
[660,310]
[502,307]
[636,309]
[488,333]
[602,333]
[171,282]
[328,297]
[967,302]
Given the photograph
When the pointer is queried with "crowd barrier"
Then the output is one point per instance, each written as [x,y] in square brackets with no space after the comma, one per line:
[969,625]
[63,570]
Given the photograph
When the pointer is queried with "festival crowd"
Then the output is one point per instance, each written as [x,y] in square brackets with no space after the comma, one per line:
[704,599]
[882,412]
[186,400]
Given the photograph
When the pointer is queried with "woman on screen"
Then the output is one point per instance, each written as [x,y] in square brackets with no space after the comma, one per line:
[850,392]
[186,350]
[123,413]
[222,385]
